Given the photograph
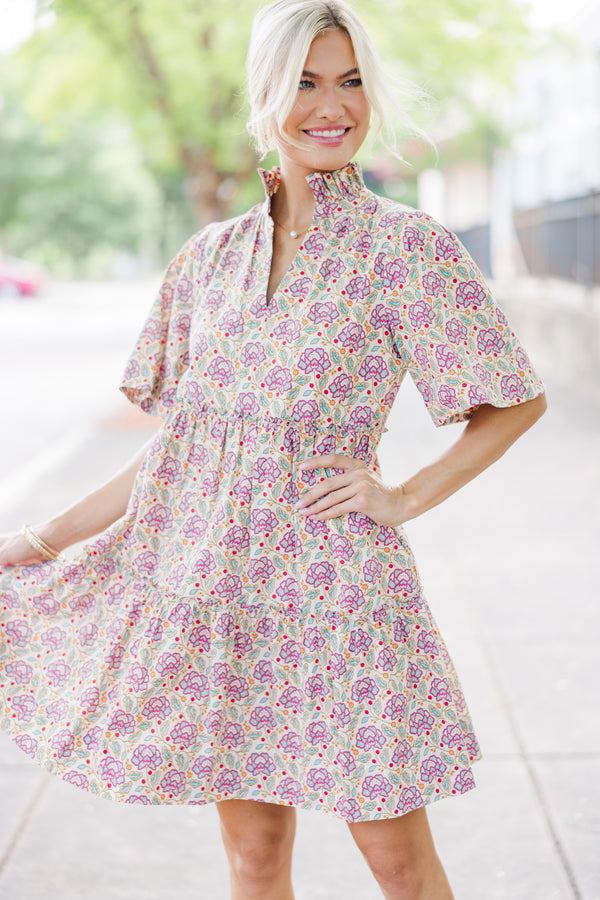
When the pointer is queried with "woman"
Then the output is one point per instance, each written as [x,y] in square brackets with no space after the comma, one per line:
[249,625]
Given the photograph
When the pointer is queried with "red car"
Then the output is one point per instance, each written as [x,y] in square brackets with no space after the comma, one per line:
[20,277]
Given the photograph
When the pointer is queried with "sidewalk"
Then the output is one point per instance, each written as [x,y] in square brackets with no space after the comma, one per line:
[511,567]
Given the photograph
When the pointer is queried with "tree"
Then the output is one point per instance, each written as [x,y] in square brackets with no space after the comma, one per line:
[174,69]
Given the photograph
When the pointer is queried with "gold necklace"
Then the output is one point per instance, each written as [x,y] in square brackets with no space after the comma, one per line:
[292,234]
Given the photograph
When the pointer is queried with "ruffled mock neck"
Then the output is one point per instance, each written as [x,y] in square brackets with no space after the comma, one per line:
[345,184]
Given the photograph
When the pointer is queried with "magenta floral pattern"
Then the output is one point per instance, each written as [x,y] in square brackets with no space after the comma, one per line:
[213,643]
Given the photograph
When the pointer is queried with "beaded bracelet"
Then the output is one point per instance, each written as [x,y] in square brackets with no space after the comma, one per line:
[38,544]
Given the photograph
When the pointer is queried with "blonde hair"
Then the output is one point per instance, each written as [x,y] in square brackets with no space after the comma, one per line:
[282,34]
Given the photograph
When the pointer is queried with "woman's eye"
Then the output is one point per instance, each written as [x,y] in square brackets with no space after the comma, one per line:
[354,82]
[305,83]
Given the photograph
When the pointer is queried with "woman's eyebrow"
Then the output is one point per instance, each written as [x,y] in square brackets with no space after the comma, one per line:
[307,74]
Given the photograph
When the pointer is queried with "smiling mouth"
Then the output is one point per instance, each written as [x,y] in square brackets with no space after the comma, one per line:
[327,134]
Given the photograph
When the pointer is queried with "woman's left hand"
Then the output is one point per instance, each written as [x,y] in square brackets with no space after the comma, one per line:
[356,489]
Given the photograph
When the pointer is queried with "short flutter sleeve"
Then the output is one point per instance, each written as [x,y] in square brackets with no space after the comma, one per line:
[458,345]
[161,356]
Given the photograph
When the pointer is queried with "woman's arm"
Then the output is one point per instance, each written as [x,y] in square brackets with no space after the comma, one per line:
[85,518]
[488,434]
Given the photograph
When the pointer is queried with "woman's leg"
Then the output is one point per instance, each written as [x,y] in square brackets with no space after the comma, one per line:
[402,857]
[258,839]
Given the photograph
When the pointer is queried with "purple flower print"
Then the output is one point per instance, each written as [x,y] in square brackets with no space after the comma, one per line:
[111,771]
[287,331]
[279,379]
[412,239]
[422,357]
[341,387]
[332,268]
[512,387]
[314,527]
[147,563]
[387,659]
[291,742]
[290,494]
[376,786]
[320,573]
[364,689]
[225,624]
[59,673]
[198,455]
[213,722]
[58,710]
[414,673]
[289,789]
[372,570]
[260,569]
[83,604]
[122,722]
[205,562]
[78,779]
[53,638]
[352,337]
[214,299]
[373,368]
[315,686]
[490,341]
[210,482]
[346,762]
[359,288]
[64,743]
[221,673]
[314,359]
[266,627]
[318,733]
[420,314]
[169,663]
[446,247]
[184,734]
[455,331]
[341,714]
[228,780]
[392,272]
[402,754]
[229,588]
[320,780]
[181,614]
[158,517]
[343,226]
[203,766]
[396,706]
[351,598]
[237,688]
[336,664]
[292,698]
[425,391]
[300,287]
[157,708]
[445,357]
[440,690]
[173,783]
[482,374]
[359,523]
[93,738]
[147,756]
[447,396]
[477,396]
[196,684]
[170,470]
[262,521]
[252,354]
[242,643]
[312,638]
[306,411]
[315,243]
[233,735]
[431,768]
[260,764]
[360,416]
[363,242]
[470,294]
[45,604]
[427,643]
[199,638]
[18,632]
[342,547]
[464,781]
[410,799]
[290,652]
[349,809]
[263,672]
[195,527]
[419,721]
[452,736]
[369,738]
[262,717]
[20,672]
[402,581]
[320,313]
[231,323]
[266,469]
[433,284]
[221,370]
[360,641]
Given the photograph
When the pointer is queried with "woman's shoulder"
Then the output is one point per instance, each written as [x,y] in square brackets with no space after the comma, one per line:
[393,218]
[217,235]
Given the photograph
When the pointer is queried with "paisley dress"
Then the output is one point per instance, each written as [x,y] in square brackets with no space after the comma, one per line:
[214,643]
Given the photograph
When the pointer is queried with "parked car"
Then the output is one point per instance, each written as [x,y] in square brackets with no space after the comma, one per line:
[17,276]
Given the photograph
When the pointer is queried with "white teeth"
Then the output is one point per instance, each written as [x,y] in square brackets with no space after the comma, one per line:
[337,133]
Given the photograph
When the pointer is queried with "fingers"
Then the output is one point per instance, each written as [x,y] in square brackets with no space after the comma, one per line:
[325,486]
[327,501]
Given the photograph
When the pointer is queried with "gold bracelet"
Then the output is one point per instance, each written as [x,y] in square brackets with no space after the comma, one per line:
[38,544]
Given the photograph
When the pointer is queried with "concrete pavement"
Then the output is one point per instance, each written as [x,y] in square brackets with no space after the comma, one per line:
[511,568]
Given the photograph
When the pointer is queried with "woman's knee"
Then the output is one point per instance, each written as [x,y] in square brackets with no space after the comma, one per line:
[258,842]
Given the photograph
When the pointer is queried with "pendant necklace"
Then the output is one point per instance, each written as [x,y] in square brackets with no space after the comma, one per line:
[293,234]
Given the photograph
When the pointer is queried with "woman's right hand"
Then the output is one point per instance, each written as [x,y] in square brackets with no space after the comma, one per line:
[15,550]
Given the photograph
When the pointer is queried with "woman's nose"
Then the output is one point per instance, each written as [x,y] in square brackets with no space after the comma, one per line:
[330,104]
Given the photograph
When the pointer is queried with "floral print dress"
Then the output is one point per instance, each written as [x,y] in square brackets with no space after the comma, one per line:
[214,643]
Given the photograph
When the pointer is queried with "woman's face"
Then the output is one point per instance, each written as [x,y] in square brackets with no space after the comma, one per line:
[331,114]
